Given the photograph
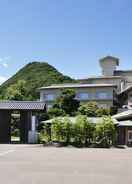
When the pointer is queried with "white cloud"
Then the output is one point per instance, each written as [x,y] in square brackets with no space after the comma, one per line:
[2,79]
[5,65]
[3,61]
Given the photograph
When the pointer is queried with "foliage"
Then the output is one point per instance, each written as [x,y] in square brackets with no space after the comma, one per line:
[88,109]
[55,112]
[45,134]
[36,74]
[67,102]
[56,130]
[83,130]
[102,112]
[42,116]
[91,109]
[113,110]
[17,91]
[67,130]
[61,130]
[105,132]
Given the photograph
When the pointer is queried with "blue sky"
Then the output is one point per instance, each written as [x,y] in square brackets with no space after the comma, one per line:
[68,34]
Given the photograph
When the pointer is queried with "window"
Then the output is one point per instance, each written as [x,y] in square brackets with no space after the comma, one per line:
[83,96]
[104,95]
[50,97]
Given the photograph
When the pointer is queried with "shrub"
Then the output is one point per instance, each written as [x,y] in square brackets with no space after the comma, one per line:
[56,130]
[67,130]
[61,130]
[88,109]
[42,116]
[55,112]
[91,109]
[83,131]
[45,134]
[102,112]
[105,132]
[113,110]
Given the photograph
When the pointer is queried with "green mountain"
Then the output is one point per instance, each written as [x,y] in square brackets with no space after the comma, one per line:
[36,74]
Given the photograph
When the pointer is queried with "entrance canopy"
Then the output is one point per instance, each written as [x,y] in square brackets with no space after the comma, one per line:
[23,105]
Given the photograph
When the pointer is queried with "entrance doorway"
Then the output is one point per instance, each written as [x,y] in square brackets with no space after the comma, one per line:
[15,127]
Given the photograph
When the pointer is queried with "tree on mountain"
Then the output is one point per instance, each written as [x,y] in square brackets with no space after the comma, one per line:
[17,91]
[36,75]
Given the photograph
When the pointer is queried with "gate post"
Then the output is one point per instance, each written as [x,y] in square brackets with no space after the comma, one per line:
[25,125]
[5,127]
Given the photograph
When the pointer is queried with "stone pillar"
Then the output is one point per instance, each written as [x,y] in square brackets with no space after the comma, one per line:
[33,135]
[5,127]
[25,125]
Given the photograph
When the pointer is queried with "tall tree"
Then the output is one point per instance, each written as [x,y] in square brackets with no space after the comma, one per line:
[67,102]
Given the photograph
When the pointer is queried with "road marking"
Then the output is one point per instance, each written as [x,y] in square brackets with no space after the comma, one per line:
[6,152]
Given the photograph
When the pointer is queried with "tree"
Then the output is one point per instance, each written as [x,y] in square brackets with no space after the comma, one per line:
[17,91]
[88,109]
[67,102]
[83,130]
[67,130]
[61,129]
[56,130]
[105,132]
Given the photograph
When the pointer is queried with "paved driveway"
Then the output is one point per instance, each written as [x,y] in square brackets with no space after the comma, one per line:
[34,164]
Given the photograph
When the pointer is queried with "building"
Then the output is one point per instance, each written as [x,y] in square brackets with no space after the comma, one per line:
[112,88]
[124,127]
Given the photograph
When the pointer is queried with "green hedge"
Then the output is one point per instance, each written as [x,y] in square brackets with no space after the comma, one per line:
[82,132]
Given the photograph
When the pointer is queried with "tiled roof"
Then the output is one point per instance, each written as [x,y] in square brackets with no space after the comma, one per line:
[22,105]
[125,90]
[125,123]
[123,115]
[75,85]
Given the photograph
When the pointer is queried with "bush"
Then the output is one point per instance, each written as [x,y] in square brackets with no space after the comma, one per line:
[105,132]
[102,112]
[88,109]
[56,130]
[91,109]
[45,134]
[113,110]
[61,130]
[55,112]
[83,131]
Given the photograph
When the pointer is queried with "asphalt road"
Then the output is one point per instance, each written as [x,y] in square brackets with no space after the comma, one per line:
[34,164]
